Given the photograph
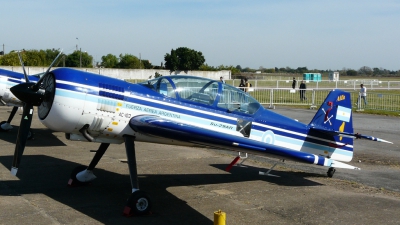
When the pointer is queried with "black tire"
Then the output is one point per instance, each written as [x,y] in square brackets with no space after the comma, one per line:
[75,171]
[331,171]
[139,202]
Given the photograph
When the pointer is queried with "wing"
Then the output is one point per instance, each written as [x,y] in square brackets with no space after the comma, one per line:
[164,128]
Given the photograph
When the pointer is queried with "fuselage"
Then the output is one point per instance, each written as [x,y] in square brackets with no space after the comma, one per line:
[107,105]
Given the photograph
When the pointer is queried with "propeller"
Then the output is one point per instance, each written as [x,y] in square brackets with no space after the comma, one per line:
[31,95]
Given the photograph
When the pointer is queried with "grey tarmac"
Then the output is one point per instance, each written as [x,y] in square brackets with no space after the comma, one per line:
[188,184]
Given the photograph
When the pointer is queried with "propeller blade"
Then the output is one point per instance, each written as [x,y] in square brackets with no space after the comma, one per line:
[30,94]
[23,133]
[23,67]
[37,85]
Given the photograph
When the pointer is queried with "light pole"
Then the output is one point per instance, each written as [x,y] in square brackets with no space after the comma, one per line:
[80,52]
[80,58]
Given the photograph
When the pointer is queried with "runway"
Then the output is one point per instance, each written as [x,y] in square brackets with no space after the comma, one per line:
[188,184]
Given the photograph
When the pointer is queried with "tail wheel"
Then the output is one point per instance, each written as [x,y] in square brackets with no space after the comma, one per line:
[331,171]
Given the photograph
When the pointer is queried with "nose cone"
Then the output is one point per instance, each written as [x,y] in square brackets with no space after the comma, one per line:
[25,93]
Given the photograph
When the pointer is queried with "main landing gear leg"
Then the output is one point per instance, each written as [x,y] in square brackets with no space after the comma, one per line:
[139,202]
[5,125]
[268,172]
[235,160]
[82,174]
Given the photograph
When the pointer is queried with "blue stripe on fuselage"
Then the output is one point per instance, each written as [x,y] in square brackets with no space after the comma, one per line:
[71,91]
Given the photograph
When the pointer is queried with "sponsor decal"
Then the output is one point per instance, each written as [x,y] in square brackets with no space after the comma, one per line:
[341,98]
[221,125]
[153,111]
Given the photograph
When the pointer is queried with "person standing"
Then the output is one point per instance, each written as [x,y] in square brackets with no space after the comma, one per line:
[362,94]
[247,85]
[303,88]
[294,83]
[242,85]
[221,79]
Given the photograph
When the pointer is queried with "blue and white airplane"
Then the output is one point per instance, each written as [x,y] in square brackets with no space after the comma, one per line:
[179,110]
[9,79]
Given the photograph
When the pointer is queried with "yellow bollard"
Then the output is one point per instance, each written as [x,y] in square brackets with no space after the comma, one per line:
[219,218]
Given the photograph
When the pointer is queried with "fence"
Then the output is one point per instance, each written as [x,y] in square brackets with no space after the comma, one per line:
[382,99]
[382,95]
[342,84]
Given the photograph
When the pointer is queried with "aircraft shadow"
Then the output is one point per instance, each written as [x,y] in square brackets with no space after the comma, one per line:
[104,199]
[283,178]
[39,134]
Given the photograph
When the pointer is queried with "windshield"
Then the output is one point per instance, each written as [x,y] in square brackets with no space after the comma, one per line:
[205,91]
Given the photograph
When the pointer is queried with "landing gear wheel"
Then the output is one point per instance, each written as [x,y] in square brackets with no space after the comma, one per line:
[331,171]
[138,203]
[73,181]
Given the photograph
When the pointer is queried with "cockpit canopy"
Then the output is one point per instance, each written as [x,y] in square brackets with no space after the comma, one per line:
[204,91]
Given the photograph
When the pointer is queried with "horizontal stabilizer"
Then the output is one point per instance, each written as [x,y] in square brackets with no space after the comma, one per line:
[338,164]
[351,135]
[372,138]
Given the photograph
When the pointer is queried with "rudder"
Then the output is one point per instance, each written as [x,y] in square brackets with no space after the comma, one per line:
[335,113]
[333,121]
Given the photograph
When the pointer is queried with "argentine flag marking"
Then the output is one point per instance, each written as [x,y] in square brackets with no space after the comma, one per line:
[343,114]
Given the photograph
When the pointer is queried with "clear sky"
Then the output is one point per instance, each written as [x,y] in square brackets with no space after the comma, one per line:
[316,34]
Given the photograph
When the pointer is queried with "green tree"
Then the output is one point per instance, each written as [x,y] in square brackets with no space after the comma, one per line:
[184,59]
[51,54]
[171,61]
[129,61]
[248,70]
[233,69]
[206,67]
[270,70]
[10,59]
[365,70]
[147,64]
[109,61]
[376,71]
[34,58]
[301,70]
[30,57]
[78,58]
[351,72]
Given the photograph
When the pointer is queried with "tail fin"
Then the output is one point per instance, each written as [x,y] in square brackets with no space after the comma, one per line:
[335,114]
[334,122]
